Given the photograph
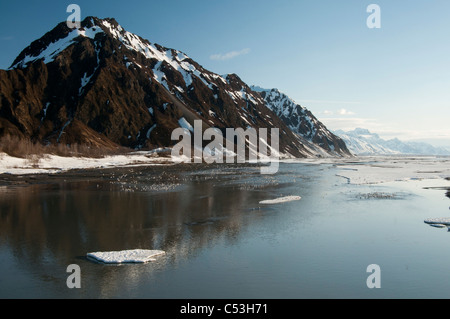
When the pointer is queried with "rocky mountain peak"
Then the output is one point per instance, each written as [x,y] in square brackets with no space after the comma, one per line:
[102,85]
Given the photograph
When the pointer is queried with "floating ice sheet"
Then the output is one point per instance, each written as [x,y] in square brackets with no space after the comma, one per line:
[126,256]
[384,169]
[437,225]
[280,200]
[438,221]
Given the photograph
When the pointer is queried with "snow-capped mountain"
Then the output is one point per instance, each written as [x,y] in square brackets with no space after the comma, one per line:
[302,122]
[363,142]
[102,85]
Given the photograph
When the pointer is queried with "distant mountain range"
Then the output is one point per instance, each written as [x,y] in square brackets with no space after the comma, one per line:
[100,85]
[363,142]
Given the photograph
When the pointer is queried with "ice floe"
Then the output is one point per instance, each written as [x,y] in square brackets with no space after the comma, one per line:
[438,221]
[385,169]
[126,256]
[437,225]
[280,200]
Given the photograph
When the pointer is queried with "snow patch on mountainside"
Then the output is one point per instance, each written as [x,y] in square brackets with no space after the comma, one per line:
[175,59]
[297,116]
[185,124]
[53,49]
[301,121]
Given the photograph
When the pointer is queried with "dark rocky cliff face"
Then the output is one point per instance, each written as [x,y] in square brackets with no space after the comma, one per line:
[103,86]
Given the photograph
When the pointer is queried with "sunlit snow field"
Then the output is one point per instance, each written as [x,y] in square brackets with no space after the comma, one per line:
[323,223]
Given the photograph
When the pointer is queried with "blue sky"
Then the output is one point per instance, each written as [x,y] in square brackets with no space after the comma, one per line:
[394,80]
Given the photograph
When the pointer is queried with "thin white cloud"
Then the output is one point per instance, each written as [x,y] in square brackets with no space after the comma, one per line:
[350,123]
[328,102]
[345,112]
[229,55]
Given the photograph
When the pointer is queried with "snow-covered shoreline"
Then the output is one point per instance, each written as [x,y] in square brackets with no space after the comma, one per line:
[357,170]
[52,164]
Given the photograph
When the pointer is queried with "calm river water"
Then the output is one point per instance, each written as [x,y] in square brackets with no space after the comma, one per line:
[220,242]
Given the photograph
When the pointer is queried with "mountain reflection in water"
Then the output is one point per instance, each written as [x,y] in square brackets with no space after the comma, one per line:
[49,224]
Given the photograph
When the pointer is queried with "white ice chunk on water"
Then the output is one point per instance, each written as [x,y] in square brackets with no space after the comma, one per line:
[126,256]
[437,225]
[438,221]
[281,200]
